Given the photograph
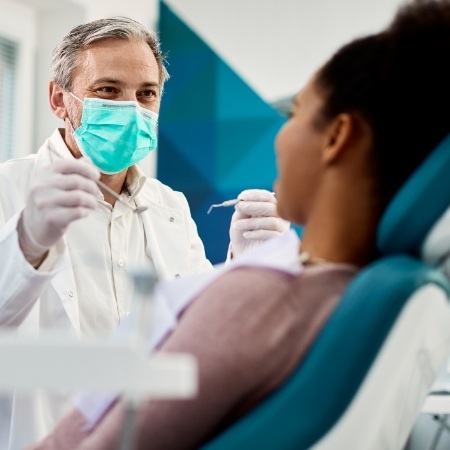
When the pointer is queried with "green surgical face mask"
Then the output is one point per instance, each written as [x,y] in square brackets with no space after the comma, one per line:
[115,134]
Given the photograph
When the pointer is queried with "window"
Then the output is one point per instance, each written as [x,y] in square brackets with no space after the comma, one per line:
[8,76]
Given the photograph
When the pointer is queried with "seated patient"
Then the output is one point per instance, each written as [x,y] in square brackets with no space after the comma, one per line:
[366,119]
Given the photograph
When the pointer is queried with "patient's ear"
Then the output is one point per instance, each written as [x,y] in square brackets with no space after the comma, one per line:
[338,136]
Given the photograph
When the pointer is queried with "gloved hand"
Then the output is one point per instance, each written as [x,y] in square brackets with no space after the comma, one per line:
[60,194]
[254,221]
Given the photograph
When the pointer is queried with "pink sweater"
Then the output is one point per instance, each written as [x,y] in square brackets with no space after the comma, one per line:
[248,331]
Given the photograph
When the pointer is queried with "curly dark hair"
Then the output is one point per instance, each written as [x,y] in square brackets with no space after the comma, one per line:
[398,81]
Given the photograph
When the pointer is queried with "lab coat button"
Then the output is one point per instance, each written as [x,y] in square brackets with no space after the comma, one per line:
[70,293]
[172,219]
[177,275]
[121,263]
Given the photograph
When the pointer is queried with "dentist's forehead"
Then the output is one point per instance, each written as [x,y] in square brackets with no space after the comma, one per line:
[118,60]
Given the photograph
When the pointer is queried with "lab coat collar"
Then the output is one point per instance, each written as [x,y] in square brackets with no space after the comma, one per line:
[135,181]
[56,141]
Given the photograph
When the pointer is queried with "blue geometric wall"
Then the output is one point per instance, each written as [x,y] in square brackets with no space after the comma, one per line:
[215,133]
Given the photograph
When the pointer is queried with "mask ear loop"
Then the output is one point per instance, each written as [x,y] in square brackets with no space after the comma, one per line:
[74,96]
[68,118]
[73,133]
[73,128]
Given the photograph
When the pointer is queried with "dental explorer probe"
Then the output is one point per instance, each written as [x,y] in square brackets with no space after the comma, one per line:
[137,209]
[233,202]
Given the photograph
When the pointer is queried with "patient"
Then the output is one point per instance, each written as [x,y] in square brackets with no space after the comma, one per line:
[359,128]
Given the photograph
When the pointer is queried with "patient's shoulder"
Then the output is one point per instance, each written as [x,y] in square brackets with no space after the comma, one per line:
[250,283]
[322,280]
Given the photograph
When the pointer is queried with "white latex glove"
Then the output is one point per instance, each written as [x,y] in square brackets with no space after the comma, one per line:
[61,193]
[254,221]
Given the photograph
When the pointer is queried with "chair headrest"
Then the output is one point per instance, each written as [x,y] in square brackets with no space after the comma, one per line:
[436,247]
[418,205]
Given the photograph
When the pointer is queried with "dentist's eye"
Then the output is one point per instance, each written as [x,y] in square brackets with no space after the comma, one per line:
[106,90]
[148,95]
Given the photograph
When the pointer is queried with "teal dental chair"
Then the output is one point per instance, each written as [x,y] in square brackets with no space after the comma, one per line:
[362,384]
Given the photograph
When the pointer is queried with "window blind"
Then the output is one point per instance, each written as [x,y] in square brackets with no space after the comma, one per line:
[8,74]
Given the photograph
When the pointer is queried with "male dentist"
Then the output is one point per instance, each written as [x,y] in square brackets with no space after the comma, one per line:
[66,244]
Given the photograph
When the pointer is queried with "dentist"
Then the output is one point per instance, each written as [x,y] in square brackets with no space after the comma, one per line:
[65,243]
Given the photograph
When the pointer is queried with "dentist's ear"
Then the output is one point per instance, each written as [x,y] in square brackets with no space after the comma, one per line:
[56,97]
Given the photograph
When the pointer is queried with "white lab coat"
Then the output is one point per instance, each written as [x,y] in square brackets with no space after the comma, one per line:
[31,300]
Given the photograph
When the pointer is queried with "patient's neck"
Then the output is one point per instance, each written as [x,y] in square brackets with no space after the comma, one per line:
[342,226]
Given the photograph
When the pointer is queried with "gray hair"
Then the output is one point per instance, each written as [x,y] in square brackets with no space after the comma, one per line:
[66,53]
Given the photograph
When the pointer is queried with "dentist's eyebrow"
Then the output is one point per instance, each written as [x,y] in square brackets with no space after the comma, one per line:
[150,84]
[116,82]
[108,80]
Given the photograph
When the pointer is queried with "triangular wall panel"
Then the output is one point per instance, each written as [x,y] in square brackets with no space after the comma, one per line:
[215,133]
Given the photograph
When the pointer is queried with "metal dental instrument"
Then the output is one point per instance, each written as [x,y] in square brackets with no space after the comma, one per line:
[225,203]
[138,209]
[232,202]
